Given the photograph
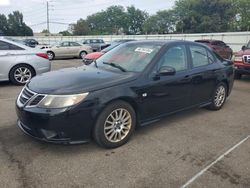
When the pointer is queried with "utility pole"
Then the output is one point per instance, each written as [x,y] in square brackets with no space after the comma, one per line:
[48,17]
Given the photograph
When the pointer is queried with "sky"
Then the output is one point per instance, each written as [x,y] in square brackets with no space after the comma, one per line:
[63,12]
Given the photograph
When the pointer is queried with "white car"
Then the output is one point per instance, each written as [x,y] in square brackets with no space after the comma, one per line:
[68,49]
[19,63]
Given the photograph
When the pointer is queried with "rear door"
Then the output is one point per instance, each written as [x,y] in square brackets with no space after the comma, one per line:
[203,74]
[7,58]
[74,48]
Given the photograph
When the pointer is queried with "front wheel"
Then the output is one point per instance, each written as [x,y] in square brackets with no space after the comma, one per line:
[115,125]
[51,55]
[219,97]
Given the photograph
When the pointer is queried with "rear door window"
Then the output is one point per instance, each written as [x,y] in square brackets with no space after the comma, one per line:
[199,56]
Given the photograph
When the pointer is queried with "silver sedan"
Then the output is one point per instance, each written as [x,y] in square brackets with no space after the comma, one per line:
[19,63]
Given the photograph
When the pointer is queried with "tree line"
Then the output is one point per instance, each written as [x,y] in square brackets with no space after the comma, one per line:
[13,25]
[187,16]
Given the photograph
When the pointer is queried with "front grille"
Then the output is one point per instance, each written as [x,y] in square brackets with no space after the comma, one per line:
[25,96]
[29,98]
[246,58]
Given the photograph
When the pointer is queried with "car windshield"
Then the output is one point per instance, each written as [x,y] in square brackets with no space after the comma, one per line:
[132,57]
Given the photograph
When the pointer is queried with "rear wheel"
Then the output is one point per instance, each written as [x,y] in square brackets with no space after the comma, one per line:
[21,74]
[51,55]
[83,54]
[219,97]
[115,125]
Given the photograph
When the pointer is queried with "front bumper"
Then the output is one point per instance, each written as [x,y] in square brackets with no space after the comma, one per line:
[64,126]
[242,69]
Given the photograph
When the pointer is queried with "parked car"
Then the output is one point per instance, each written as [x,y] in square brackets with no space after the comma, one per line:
[242,61]
[31,42]
[96,44]
[19,63]
[88,59]
[68,49]
[219,47]
[132,85]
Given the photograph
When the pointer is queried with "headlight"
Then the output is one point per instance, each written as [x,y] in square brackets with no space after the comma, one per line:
[61,101]
[237,58]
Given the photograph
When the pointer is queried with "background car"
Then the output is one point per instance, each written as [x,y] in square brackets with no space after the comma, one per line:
[96,44]
[68,49]
[132,85]
[19,63]
[219,47]
[31,42]
[242,61]
[88,59]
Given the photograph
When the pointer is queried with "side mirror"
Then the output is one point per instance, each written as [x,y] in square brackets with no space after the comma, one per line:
[243,48]
[166,71]
[57,46]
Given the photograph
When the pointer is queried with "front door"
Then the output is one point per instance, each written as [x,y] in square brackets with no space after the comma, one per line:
[167,94]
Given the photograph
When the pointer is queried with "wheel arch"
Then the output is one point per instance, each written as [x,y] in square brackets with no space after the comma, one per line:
[227,85]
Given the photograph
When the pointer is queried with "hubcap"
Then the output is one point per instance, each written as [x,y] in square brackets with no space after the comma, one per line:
[220,96]
[117,125]
[50,55]
[22,75]
[83,54]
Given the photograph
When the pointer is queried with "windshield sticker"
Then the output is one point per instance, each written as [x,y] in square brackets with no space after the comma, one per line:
[144,50]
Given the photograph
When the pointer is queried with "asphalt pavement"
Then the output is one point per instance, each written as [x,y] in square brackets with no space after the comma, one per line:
[182,149]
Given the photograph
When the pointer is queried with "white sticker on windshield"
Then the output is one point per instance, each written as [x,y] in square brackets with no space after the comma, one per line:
[144,50]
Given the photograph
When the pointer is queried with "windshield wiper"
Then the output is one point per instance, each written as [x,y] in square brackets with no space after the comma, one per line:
[116,66]
[95,63]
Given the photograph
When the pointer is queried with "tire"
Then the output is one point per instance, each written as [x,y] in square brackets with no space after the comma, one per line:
[237,76]
[114,129]
[51,55]
[21,74]
[219,97]
[82,54]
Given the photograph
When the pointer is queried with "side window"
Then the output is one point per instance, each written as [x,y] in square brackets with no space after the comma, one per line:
[199,56]
[175,57]
[74,44]
[211,58]
[4,45]
[64,44]
[14,47]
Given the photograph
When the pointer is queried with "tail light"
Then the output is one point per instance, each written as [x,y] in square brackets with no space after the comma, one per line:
[43,55]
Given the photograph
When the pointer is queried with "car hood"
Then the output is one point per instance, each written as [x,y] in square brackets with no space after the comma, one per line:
[93,55]
[243,52]
[77,80]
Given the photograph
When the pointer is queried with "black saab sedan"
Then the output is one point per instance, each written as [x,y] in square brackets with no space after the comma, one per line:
[132,85]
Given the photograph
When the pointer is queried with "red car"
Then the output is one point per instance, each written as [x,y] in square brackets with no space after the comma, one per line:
[242,61]
[89,58]
[219,47]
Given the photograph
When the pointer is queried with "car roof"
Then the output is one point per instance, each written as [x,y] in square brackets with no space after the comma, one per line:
[14,42]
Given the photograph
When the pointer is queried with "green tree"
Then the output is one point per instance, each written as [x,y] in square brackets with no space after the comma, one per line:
[135,19]
[80,28]
[195,16]
[161,23]
[3,24]
[98,23]
[242,17]
[65,33]
[16,25]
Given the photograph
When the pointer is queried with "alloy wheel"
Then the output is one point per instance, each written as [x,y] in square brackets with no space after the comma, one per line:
[220,96]
[117,125]
[22,75]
